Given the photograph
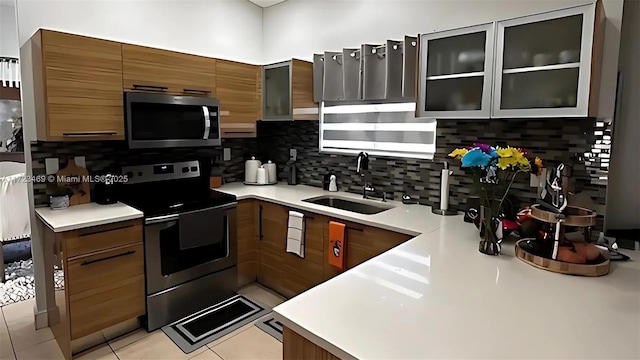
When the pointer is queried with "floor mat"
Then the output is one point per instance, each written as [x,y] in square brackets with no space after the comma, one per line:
[271,326]
[19,284]
[205,326]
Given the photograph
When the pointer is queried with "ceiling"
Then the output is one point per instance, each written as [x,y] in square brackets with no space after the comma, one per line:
[266,3]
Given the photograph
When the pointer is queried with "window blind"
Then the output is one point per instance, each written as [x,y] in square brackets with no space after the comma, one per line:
[389,129]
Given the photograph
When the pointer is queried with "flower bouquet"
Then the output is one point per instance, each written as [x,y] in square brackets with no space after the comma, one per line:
[493,170]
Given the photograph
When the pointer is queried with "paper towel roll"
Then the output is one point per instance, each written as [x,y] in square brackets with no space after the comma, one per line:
[444,189]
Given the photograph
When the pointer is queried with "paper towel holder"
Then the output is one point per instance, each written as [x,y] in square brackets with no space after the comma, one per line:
[444,211]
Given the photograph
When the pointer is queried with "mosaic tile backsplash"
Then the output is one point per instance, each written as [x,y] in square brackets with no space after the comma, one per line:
[104,156]
[554,140]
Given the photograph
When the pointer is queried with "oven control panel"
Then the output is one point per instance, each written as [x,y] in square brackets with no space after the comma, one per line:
[164,171]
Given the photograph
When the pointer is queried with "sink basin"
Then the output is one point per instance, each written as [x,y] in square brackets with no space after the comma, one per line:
[360,207]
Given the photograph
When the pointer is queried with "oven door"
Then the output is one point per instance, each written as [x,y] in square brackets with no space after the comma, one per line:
[162,120]
[180,248]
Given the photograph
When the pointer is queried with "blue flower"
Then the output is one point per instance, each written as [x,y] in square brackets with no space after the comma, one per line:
[475,157]
[493,153]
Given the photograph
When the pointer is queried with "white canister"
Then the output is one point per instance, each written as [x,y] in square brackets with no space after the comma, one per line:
[262,175]
[272,176]
[251,170]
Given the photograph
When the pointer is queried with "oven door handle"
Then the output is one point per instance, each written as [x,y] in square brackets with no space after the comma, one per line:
[207,122]
[174,217]
[160,219]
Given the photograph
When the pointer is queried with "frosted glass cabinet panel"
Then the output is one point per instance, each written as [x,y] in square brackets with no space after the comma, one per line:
[277,91]
[456,73]
[543,64]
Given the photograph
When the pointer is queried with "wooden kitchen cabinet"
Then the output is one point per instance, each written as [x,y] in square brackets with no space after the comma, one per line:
[103,281]
[247,242]
[301,274]
[363,243]
[149,69]
[287,91]
[77,84]
[238,90]
[286,273]
[272,237]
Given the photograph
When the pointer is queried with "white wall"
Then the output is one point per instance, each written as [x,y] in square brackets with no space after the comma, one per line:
[8,31]
[300,28]
[228,29]
[623,197]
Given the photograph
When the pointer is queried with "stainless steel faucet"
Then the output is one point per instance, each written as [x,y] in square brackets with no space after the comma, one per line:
[363,170]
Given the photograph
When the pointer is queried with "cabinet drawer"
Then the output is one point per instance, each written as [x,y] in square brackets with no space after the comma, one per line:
[97,238]
[104,268]
[100,308]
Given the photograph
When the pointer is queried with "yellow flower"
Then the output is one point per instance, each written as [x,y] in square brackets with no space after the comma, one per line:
[506,162]
[458,153]
[506,152]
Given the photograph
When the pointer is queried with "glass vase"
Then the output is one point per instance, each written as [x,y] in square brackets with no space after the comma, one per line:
[489,243]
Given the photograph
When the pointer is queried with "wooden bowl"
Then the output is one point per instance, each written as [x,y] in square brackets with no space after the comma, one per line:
[561,267]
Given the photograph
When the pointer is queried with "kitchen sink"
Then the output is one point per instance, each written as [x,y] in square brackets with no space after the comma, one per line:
[360,207]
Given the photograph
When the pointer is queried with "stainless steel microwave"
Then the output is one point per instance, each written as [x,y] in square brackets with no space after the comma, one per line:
[165,121]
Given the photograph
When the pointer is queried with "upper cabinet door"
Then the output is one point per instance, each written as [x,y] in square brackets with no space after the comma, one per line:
[83,86]
[456,73]
[149,69]
[277,102]
[238,93]
[544,64]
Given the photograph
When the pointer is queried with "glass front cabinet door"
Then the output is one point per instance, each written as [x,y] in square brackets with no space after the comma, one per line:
[544,64]
[456,73]
[276,98]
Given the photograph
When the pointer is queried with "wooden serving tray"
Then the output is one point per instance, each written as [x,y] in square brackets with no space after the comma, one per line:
[563,267]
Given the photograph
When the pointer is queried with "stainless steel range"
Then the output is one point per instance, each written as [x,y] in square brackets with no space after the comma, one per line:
[190,239]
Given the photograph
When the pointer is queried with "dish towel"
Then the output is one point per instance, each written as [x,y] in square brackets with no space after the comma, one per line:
[295,233]
[337,244]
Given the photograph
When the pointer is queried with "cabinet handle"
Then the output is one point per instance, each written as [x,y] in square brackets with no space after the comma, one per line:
[101,231]
[197,91]
[260,222]
[89,133]
[353,229]
[107,258]
[150,87]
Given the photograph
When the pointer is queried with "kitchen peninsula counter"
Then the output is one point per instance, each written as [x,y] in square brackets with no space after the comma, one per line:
[436,296]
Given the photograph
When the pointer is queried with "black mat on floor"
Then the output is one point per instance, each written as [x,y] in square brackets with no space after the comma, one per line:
[271,326]
[210,324]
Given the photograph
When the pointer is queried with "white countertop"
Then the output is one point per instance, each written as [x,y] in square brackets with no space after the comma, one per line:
[436,296]
[86,215]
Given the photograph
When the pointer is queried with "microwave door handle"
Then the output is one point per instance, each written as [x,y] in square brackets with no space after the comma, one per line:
[207,122]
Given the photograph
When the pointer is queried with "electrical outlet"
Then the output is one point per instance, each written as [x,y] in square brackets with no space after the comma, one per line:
[80,161]
[226,154]
[51,165]
[293,154]
[534,181]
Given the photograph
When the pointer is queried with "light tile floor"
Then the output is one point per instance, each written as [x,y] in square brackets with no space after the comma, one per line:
[19,339]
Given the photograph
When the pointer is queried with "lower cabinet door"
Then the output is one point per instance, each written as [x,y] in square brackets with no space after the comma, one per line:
[105,288]
[301,274]
[99,308]
[365,242]
[270,271]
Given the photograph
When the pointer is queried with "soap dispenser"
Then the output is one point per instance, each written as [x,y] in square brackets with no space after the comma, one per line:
[333,186]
